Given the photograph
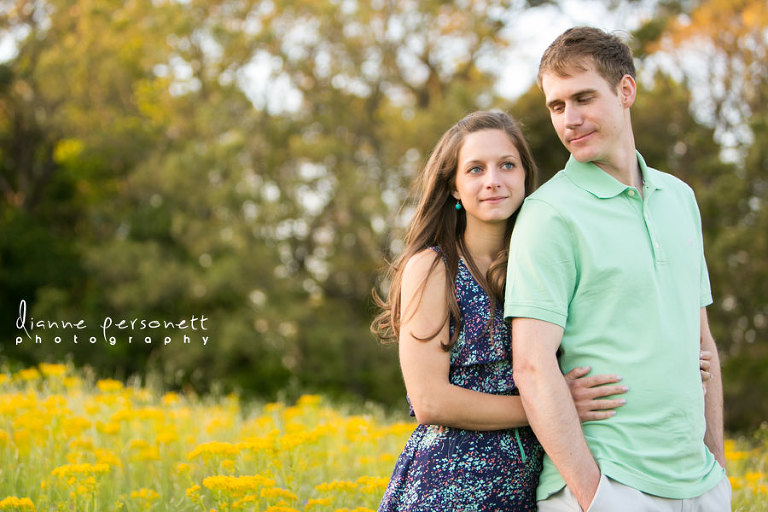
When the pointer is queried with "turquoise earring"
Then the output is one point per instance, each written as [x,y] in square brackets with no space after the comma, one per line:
[458,205]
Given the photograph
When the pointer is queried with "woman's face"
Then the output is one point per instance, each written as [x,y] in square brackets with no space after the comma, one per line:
[490,178]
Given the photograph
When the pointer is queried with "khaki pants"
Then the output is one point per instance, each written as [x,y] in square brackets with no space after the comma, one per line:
[613,496]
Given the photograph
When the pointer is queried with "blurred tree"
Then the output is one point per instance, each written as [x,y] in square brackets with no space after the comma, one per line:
[69,130]
[722,44]
[378,82]
[242,160]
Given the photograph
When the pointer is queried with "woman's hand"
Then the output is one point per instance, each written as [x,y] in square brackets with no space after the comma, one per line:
[588,393]
[705,357]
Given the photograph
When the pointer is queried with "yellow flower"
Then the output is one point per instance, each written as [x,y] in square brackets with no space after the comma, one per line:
[72,382]
[274,407]
[337,485]
[212,449]
[53,370]
[309,400]
[218,423]
[372,484]
[147,454]
[167,437]
[399,429]
[17,504]
[237,485]
[317,502]
[79,469]
[28,374]
[149,413]
[145,494]
[22,438]
[107,457]
[138,444]
[291,441]
[193,492]
[74,426]
[170,398]
[110,428]
[125,414]
[243,502]
[109,385]
[736,455]
[276,492]
[29,421]
[257,444]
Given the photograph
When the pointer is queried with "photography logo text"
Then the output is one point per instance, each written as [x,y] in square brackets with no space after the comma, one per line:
[112,331]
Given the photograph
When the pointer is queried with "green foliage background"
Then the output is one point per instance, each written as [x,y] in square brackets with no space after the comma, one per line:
[144,173]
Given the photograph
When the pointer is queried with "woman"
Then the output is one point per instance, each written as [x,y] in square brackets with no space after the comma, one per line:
[472,449]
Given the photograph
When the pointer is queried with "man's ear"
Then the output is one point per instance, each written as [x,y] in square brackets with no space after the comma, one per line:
[627,91]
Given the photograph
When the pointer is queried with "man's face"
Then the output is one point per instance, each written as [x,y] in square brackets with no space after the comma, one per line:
[589,116]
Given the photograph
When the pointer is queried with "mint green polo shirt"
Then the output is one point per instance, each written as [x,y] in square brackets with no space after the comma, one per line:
[625,277]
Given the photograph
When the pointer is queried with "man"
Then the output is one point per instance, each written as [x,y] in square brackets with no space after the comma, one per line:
[607,270]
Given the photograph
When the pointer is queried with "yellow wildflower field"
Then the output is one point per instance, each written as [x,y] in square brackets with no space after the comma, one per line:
[70,444]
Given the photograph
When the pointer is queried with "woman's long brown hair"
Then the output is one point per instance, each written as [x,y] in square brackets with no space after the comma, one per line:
[437,223]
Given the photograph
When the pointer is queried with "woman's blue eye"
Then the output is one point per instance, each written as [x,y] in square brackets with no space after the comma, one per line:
[475,169]
[508,165]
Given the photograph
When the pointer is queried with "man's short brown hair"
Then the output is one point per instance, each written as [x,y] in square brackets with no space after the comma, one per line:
[579,47]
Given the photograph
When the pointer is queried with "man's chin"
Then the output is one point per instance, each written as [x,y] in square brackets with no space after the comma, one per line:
[582,157]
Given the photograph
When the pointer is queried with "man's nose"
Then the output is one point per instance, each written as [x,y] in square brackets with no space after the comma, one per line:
[572,116]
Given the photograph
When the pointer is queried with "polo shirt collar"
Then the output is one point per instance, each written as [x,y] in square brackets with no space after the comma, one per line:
[599,183]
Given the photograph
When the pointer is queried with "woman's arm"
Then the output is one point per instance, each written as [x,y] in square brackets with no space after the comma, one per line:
[426,366]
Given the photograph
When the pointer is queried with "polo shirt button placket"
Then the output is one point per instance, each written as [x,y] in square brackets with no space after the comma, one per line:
[657,255]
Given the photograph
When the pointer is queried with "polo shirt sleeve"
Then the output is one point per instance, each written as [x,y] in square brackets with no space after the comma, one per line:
[705,290]
[541,273]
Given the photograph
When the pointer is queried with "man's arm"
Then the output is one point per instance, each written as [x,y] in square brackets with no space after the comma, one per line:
[549,406]
[713,400]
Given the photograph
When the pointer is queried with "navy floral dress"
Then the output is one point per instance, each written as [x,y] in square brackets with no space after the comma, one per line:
[450,469]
